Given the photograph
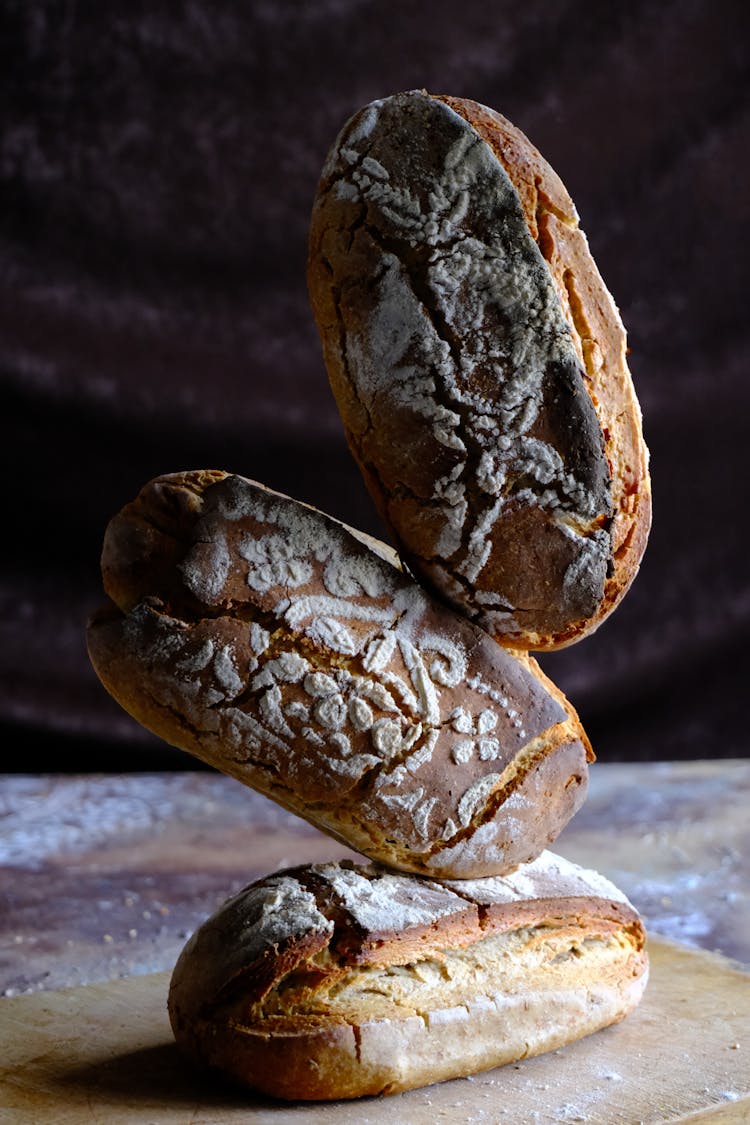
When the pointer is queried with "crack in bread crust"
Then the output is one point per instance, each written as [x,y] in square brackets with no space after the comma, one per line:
[282,649]
[338,980]
[448,353]
[599,338]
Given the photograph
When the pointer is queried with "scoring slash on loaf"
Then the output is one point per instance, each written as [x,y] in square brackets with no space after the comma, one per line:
[337,981]
[478,362]
[281,647]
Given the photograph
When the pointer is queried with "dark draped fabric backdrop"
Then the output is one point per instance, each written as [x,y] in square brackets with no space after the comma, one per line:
[157,168]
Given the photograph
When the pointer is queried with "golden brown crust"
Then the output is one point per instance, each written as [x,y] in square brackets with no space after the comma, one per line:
[271,642]
[466,401]
[385,982]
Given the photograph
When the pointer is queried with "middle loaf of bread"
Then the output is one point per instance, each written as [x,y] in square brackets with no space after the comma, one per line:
[290,652]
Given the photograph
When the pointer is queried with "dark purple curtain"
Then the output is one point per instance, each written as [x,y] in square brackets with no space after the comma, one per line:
[157,167]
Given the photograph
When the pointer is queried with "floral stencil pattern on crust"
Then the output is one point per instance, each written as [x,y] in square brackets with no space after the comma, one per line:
[462,335]
[319,662]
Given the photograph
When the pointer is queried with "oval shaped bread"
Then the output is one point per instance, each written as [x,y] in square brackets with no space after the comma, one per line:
[275,644]
[336,981]
[478,362]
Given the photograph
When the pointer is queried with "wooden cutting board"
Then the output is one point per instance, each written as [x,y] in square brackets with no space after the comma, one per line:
[104,1053]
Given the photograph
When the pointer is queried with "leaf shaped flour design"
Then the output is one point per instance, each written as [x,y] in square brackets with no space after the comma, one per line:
[455,369]
[331,632]
[312,694]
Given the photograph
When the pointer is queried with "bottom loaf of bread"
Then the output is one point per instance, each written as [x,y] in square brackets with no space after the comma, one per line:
[338,981]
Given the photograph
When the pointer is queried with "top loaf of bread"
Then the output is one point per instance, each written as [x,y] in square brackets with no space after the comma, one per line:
[478,362]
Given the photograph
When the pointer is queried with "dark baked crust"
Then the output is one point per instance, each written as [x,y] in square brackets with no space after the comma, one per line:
[465,398]
[271,642]
[599,338]
[337,981]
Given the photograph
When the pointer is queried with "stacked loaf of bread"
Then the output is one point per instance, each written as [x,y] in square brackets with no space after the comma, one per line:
[479,366]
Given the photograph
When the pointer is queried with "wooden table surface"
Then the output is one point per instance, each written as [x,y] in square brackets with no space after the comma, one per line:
[106,876]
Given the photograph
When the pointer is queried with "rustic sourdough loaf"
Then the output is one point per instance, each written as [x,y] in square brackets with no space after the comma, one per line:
[336,981]
[276,644]
[478,362]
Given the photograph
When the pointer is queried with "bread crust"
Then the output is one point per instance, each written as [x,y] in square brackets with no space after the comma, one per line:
[599,338]
[502,447]
[375,983]
[270,641]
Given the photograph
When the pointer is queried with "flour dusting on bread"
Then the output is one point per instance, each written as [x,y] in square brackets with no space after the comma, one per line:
[316,671]
[411,980]
[462,385]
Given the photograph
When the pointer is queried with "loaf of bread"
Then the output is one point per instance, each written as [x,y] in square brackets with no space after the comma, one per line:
[335,981]
[478,362]
[277,645]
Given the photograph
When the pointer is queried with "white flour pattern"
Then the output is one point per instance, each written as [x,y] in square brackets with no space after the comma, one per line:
[353,676]
[462,330]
